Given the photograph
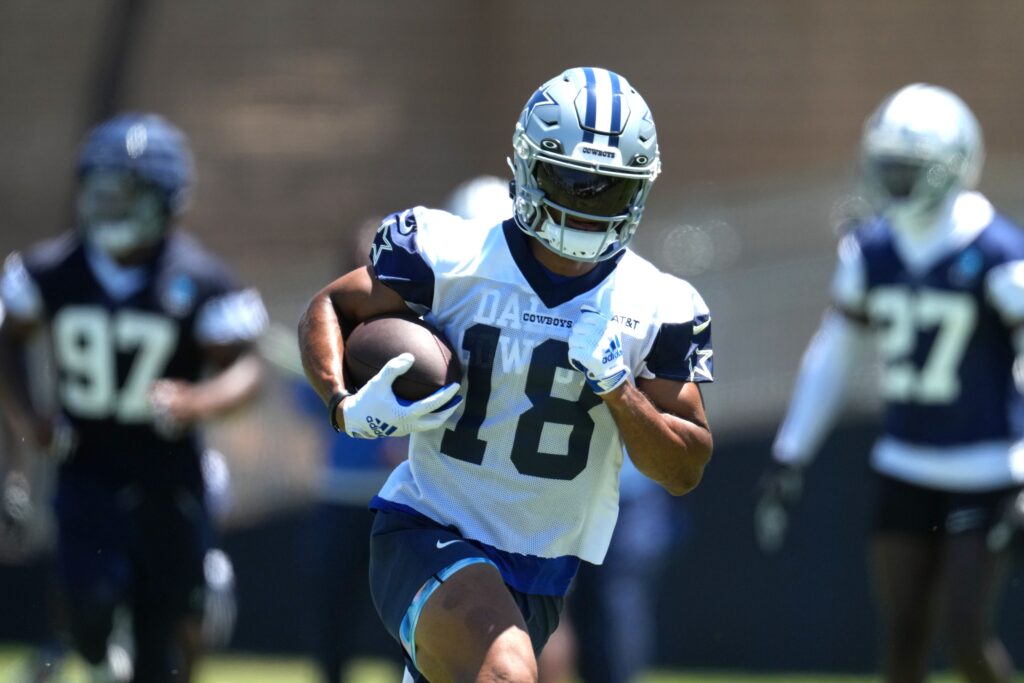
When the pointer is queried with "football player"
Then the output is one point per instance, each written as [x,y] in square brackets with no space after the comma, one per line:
[150,335]
[936,282]
[571,346]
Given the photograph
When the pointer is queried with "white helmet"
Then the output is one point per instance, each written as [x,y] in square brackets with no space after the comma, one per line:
[921,147]
[584,148]
[485,198]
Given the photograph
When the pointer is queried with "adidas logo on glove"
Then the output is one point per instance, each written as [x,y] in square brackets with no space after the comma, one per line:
[613,351]
[380,427]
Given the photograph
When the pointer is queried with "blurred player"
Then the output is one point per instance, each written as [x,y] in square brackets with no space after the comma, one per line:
[937,282]
[151,335]
[483,198]
[614,605]
[344,624]
[571,346]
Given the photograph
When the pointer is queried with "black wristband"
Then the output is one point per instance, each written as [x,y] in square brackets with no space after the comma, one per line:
[332,408]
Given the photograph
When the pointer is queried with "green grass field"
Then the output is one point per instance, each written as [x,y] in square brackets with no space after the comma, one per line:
[238,669]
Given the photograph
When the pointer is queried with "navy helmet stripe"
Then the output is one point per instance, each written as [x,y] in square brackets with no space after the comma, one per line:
[613,140]
[590,117]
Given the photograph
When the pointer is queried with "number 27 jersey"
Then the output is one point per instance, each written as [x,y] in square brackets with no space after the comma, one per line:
[529,462]
[944,329]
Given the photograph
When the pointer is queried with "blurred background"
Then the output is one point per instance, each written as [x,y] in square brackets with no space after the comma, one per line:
[309,118]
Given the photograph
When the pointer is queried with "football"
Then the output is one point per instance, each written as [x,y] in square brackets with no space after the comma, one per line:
[374,342]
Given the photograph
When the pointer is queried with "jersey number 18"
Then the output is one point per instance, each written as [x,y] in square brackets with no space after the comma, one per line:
[463,442]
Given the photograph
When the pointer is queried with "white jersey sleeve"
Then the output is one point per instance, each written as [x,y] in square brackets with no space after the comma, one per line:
[231,318]
[1004,286]
[826,371]
[681,344]
[19,292]
[849,283]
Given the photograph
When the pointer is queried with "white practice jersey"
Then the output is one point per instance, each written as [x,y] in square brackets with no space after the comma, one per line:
[529,463]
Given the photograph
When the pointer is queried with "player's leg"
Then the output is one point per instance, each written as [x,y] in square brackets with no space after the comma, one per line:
[626,585]
[93,567]
[359,632]
[170,589]
[906,562]
[325,547]
[470,629]
[444,600]
[974,582]
[907,578]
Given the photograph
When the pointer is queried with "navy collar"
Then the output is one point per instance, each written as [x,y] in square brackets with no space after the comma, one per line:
[551,293]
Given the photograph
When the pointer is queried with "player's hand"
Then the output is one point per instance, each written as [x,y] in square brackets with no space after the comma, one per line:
[1008,531]
[55,437]
[174,407]
[778,492]
[15,507]
[374,411]
[595,349]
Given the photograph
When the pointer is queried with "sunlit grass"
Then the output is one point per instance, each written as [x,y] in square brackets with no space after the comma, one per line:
[257,669]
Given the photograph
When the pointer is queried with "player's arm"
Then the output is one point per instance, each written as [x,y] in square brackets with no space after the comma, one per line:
[1004,287]
[236,377]
[15,491]
[400,280]
[665,431]
[829,364]
[226,329]
[22,315]
[827,370]
[661,419]
[331,314]
[14,390]
[832,360]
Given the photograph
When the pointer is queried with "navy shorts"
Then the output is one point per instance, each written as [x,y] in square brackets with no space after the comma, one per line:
[125,545]
[906,508]
[411,556]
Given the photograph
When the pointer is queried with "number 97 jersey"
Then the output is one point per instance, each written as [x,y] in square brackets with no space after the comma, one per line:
[114,332]
[529,463]
[944,330]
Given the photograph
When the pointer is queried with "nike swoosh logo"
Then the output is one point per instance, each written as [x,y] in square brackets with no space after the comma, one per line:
[697,329]
[441,545]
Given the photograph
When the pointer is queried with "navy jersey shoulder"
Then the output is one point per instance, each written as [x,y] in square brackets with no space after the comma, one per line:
[881,262]
[45,257]
[397,260]
[184,254]
[57,267]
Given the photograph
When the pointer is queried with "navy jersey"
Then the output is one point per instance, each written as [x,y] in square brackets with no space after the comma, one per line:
[944,327]
[114,331]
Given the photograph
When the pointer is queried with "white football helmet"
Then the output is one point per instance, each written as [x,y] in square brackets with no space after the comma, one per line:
[483,198]
[920,149]
[584,149]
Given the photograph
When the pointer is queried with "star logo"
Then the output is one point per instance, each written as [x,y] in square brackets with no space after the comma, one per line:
[541,97]
[701,369]
[381,243]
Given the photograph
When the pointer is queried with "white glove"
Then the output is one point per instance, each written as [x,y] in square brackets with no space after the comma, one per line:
[595,349]
[374,411]
[220,607]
